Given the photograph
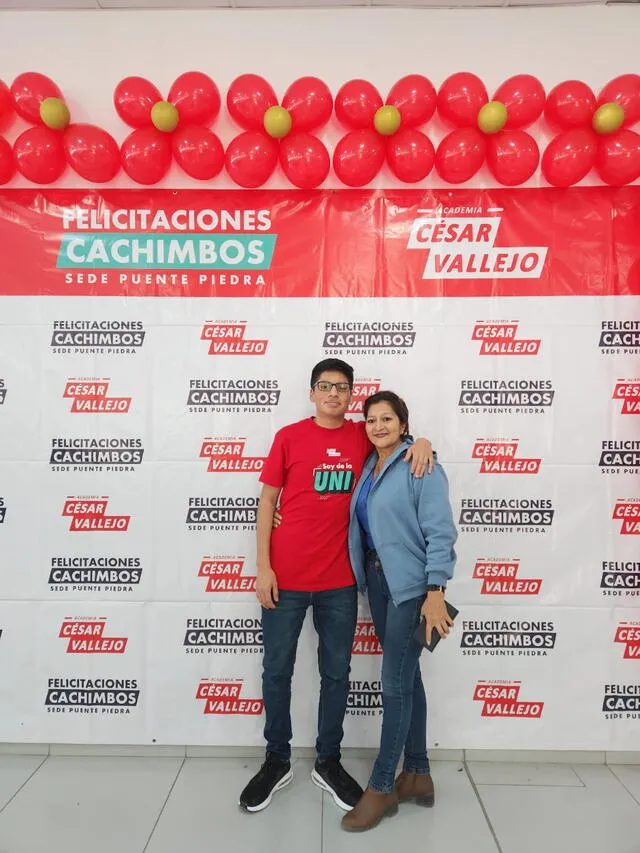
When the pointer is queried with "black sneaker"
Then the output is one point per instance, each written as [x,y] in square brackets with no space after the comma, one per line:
[331,776]
[273,775]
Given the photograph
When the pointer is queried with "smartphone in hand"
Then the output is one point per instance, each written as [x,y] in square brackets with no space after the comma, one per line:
[420,635]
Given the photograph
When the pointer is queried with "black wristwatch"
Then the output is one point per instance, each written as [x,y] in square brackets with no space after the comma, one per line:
[432,587]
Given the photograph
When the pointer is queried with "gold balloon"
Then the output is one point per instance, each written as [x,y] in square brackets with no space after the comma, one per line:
[164,116]
[277,122]
[492,117]
[54,113]
[387,120]
[608,118]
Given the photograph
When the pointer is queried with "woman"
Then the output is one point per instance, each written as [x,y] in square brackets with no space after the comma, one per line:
[401,539]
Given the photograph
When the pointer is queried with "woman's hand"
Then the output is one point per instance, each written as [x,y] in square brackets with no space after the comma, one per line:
[421,455]
[436,616]
[277,519]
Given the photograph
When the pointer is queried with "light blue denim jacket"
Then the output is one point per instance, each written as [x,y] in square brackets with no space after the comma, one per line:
[411,525]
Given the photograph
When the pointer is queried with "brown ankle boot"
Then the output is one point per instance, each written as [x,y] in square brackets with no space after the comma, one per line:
[417,787]
[369,811]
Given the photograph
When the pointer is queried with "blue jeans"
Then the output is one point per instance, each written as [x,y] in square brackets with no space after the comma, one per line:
[334,616]
[404,704]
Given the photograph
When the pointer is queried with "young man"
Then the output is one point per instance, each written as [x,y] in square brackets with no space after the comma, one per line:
[312,467]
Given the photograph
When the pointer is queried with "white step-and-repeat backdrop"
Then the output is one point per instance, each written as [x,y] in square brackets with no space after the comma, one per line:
[152,342]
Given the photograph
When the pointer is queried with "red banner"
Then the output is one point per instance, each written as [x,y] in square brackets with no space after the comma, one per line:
[529,242]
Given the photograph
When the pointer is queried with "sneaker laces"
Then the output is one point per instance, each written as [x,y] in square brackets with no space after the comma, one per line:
[334,765]
[270,762]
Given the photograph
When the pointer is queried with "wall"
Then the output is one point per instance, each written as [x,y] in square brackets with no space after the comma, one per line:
[87,53]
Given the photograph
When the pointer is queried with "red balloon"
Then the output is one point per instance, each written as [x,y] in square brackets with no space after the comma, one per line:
[460,155]
[410,155]
[91,152]
[512,156]
[6,106]
[310,103]
[524,98]
[146,155]
[251,159]
[624,90]
[39,155]
[304,160]
[29,90]
[460,98]
[196,97]
[415,98]
[7,166]
[248,98]
[569,157]
[358,157]
[570,104]
[133,98]
[198,152]
[618,158]
[356,104]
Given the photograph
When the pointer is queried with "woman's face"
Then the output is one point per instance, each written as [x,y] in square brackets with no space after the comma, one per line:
[383,426]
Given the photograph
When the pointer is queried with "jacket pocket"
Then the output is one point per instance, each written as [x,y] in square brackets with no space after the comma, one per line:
[403,566]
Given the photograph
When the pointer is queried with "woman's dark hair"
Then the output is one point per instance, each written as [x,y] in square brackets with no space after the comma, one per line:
[397,404]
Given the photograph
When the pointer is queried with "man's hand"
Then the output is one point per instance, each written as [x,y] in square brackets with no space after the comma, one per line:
[436,616]
[421,455]
[267,588]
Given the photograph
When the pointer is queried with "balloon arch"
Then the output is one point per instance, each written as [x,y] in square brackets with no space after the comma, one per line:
[591,133]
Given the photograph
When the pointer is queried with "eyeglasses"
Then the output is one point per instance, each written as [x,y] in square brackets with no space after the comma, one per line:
[325,387]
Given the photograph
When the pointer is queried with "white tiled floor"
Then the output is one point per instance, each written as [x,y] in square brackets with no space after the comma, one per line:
[72,804]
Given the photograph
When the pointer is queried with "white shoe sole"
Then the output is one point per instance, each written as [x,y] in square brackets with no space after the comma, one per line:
[281,784]
[317,779]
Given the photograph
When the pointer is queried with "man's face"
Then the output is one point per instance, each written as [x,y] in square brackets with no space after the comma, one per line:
[331,399]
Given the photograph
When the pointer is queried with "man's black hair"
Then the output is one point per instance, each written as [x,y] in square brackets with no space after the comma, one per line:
[334,365]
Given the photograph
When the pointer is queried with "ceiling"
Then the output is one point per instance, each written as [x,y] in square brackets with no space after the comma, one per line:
[204,4]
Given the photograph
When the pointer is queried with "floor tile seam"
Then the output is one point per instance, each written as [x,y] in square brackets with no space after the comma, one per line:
[621,782]
[579,784]
[482,806]
[26,782]
[164,804]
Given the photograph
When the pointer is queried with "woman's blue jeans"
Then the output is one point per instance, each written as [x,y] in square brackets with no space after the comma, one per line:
[404,718]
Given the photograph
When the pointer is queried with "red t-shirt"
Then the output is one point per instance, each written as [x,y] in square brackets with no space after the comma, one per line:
[317,469]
